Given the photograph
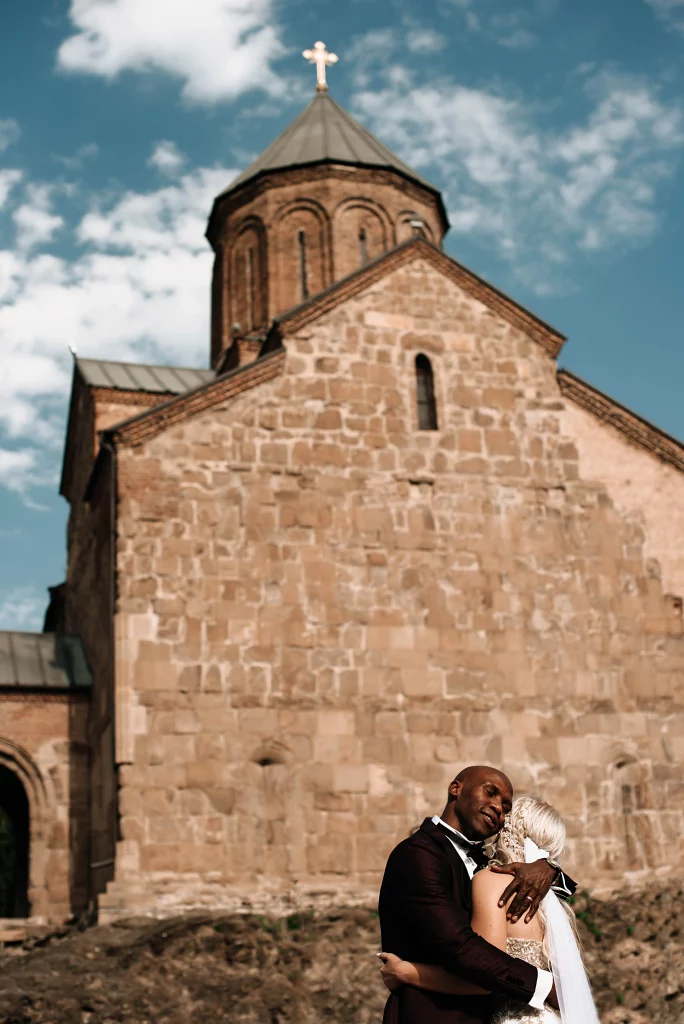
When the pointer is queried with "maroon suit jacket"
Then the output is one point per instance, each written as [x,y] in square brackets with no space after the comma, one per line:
[425,906]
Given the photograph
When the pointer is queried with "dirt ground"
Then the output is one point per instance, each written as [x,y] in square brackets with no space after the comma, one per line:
[305,968]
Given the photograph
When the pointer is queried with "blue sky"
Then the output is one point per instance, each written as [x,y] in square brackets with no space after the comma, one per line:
[555,129]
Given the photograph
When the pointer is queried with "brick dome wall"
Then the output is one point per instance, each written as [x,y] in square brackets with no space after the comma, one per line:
[284,237]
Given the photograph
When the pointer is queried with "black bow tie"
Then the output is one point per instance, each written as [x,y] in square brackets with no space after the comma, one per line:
[474,850]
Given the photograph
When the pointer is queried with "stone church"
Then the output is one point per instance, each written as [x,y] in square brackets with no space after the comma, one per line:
[381,538]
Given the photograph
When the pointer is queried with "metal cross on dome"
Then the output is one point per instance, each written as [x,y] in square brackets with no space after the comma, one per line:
[322,59]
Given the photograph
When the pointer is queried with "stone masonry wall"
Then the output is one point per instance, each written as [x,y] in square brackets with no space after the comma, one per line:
[638,483]
[89,615]
[43,740]
[89,603]
[327,613]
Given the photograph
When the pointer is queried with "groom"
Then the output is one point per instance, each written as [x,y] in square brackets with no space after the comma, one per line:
[425,905]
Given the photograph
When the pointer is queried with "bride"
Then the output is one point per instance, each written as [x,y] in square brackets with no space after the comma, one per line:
[532,831]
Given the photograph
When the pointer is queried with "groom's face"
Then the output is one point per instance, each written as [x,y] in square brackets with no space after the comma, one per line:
[480,801]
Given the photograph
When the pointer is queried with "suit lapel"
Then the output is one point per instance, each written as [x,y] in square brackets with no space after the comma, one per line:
[462,878]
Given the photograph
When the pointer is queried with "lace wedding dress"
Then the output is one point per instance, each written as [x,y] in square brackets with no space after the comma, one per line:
[520,1013]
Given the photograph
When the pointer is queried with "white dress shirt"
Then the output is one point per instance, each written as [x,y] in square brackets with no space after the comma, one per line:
[544,978]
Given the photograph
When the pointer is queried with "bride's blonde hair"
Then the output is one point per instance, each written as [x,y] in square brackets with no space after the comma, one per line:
[530,817]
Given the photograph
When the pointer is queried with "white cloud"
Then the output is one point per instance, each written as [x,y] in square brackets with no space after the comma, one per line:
[670,11]
[375,41]
[518,39]
[9,133]
[22,608]
[8,179]
[15,463]
[138,290]
[218,48]
[360,57]
[167,158]
[88,151]
[471,18]
[537,194]
[24,469]
[34,221]
[511,28]
[424,40]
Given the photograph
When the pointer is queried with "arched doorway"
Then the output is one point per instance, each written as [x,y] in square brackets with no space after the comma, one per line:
[14,846]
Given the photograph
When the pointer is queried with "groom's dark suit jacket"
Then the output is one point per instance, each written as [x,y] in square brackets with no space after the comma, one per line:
[425,904]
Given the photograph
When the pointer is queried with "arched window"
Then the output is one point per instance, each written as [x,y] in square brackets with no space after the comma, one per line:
[363,247]
[634,804]
[425,391]
[301,239]
[244,278]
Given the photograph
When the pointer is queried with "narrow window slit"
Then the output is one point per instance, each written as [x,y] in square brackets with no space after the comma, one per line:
[363,247]
[425,392]
[301,238]
[251,318]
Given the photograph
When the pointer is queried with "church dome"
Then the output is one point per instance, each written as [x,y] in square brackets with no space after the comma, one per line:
[325,133]
[322,201]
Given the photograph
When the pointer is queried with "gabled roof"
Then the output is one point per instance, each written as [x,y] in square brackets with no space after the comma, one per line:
[507,308]
[43,661]
[325,133]
[636,429]
[152,421]
[143,379]
[167,380]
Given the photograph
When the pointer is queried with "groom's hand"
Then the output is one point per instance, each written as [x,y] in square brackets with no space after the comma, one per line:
[530,886]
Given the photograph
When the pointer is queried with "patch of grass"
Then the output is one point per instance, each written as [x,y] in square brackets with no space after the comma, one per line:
[585,916]
[272,927]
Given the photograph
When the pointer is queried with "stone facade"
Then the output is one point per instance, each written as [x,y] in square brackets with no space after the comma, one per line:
[324,612]
[386,540]
[648,488]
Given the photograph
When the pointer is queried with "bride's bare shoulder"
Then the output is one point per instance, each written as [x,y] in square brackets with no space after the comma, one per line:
[488,883]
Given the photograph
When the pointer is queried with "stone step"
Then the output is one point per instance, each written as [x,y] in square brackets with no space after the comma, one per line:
[13,930]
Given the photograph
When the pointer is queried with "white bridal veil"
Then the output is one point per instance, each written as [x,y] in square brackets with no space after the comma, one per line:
[572,985]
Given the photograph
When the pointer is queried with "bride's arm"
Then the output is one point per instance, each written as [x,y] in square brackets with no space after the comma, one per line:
[396,972]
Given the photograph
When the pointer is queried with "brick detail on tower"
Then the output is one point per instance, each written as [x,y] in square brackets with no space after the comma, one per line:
[286,237]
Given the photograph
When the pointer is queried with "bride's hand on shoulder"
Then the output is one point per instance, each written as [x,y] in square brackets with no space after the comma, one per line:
[393,970]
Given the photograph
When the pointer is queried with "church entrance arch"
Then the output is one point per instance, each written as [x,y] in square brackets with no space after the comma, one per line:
[14,846]
[23,850]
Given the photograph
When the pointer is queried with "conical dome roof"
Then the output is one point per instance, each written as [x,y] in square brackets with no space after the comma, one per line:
[325,133]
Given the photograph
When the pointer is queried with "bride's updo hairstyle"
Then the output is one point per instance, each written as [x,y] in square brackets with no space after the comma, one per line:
[532,818]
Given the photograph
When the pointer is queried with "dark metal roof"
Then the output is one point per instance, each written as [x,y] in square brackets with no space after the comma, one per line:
[44,661]
[325,133]
[174,380]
